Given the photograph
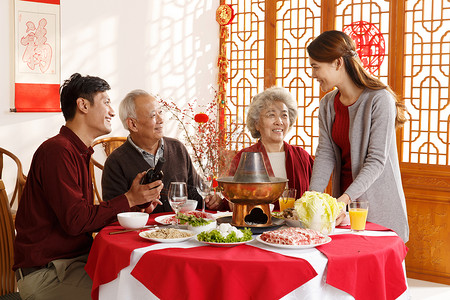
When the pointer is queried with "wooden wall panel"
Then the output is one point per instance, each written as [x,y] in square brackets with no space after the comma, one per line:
[428,204]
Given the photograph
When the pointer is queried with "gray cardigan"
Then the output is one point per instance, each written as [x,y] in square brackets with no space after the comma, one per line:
[124,163]
[375,167]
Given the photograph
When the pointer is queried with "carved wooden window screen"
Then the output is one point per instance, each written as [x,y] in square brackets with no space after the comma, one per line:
[426,82]
[416,64]
[297,22]
[375,12]
[245,49]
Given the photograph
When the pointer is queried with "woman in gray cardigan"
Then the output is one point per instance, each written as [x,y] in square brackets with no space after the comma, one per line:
[357,123]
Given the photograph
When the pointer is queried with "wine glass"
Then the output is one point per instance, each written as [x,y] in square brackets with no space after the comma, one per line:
[204,189]
[177,196]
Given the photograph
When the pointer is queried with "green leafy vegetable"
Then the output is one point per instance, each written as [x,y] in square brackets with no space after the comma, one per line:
[192,220]
[214,236]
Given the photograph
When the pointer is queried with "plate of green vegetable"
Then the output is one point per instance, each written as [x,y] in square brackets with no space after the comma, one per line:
[223,244]
[216,238]
[196,224]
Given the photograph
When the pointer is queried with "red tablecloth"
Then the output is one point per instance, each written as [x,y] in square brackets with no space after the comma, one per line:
[111,253]
[367,267]
[241,272]
[363,266]
[104,267]
[369,226]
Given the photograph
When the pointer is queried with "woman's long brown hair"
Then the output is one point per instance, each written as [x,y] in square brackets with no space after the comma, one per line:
[333,44]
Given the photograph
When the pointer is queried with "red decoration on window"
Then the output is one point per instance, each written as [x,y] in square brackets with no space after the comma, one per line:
[369,44]
[224,14]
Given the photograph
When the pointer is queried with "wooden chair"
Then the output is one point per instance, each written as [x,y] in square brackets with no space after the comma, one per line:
[8,289]
[20,178]
[108,144]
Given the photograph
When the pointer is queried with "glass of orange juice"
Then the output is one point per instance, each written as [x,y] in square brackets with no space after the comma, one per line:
[358,215]
[287,199]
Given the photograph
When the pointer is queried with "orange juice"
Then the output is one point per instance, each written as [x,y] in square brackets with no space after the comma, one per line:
[358,218]
[286,203]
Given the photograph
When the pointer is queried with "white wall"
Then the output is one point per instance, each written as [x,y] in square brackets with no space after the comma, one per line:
[169,47]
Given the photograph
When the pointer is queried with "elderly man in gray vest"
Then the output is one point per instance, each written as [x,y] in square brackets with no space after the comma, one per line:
[141,115]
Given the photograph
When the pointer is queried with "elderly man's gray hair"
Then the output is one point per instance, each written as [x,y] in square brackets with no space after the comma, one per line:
[127,108]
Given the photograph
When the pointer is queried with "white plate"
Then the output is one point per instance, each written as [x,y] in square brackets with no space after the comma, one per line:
[327,240]
[163,219]
[223,244]
[142,235]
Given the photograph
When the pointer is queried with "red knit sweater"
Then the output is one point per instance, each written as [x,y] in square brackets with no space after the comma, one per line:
[340,137]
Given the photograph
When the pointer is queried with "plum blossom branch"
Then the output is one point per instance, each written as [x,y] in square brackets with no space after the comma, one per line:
[205,142]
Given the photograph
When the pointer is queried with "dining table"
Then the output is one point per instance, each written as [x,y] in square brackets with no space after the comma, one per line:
[364,265]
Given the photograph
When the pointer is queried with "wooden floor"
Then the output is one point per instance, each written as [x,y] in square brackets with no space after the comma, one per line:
[425,290]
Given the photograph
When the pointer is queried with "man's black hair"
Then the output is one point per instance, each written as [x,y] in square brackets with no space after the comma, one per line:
[78,86]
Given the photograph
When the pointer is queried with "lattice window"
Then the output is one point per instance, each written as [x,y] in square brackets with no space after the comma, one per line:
[424,65]
[297,23]
[427,77]
[375,13]
[246,57]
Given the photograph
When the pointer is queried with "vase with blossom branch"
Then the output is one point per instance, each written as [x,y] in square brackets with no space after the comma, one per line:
[208,146]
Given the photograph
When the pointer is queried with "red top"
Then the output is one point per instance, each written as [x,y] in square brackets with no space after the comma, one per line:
[298,166]
[56,215]
[340,137]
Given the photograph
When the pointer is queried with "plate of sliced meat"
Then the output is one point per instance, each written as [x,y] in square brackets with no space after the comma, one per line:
[293,238]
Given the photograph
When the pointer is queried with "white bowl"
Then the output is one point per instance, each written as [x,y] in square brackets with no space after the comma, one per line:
[202,228]
[190,205]
[132,220]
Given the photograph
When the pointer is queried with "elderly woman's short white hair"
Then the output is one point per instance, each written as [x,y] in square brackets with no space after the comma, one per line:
[127,108]
[263,100]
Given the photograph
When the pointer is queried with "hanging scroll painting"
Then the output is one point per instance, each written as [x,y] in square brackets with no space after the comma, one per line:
[37,56]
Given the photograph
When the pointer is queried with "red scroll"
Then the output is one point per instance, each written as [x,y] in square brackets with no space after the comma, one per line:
[37,56]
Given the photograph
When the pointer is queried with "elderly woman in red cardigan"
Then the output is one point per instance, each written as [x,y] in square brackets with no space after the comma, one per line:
[271,114]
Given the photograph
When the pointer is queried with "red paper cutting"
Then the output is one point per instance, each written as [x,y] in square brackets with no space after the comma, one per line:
[370,44]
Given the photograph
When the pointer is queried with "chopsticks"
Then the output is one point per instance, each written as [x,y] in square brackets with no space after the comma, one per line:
[129,230]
